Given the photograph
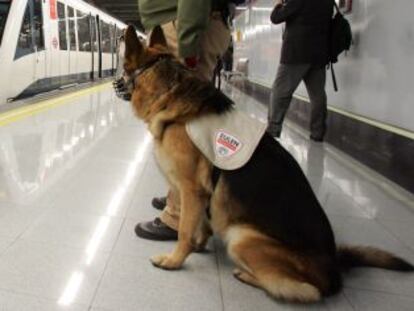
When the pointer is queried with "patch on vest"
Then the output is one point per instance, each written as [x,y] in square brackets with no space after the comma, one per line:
[226,144]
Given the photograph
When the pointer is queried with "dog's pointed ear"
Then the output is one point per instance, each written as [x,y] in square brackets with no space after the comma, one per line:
[133,47]
[157,37]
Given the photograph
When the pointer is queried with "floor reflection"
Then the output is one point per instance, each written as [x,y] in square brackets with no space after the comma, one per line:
[36,151]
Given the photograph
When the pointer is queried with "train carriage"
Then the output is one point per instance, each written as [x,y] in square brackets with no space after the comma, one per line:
[46,44]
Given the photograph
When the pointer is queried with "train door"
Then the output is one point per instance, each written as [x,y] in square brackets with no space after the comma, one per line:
[72,44]
[29,58]
[84,46]
[92,42]
[99,37]
[117,31]
[63,42]
[95,47]
[39,44]
[113,48]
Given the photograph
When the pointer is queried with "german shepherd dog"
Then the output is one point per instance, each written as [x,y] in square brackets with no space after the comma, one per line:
[275,230]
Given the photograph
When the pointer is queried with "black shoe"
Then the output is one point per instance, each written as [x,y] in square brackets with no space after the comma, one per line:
[155,230]
[274,134]
[317,139]
[159,203]
[274,130]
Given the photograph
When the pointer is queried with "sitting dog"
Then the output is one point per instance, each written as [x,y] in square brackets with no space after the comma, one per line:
[275,230]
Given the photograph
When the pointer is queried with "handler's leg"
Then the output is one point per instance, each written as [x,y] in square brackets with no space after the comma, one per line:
[315,84]
[163,228]
[287,80]
[213,43]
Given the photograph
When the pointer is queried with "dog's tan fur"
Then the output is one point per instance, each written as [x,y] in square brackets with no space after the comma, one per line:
[262,260]
[189,174]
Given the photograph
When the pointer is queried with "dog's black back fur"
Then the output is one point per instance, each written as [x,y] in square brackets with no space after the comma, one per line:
[190,88]
[277,198]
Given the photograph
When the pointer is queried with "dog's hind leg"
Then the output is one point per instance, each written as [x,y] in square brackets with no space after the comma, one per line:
[283,284]
[270,266]
[246,277]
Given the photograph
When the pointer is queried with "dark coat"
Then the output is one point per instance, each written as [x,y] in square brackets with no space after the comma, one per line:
[306,37]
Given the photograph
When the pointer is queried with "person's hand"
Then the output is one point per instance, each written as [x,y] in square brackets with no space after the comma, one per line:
[191,62]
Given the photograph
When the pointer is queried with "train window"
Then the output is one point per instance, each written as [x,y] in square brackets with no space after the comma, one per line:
[4,11]
[113,36]
[72,29]
[117,35]
[38,25]
[31,33]
[25,42]
[94,34]
[84,32]
[106,37]
[63,43]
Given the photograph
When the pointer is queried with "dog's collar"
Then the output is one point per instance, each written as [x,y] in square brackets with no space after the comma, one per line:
[139,71]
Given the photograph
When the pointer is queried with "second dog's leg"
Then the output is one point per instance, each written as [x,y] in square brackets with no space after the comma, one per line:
[192,209]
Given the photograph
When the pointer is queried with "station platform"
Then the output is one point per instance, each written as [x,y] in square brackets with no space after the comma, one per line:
[77,173]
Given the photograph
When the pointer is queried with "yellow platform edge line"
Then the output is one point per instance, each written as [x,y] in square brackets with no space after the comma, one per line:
[32,109]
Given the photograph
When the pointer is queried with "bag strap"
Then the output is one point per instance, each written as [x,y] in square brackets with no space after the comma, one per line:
[217,74]
[337,8]
[335,84]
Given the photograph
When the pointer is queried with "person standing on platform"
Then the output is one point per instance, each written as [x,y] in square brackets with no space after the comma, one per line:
[198,34]
[304,56]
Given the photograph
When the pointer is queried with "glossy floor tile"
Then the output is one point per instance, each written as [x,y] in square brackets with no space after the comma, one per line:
[371,301]
[5,243]
[74,229]
[65,275]
[131,283]
[402,230]
[16,218]
[18,302]
[76,179]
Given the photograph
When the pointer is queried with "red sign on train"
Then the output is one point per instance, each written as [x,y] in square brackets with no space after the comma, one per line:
[52,5]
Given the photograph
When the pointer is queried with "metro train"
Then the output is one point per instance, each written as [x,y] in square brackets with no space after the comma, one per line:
[47,44]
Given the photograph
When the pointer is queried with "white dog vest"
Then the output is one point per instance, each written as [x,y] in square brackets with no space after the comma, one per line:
[227,140]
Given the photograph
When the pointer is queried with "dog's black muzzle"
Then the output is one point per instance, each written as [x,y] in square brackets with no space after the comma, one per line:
[122,88]
[124,85]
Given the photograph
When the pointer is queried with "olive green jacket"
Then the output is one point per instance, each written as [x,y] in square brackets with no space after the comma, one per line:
[192,18]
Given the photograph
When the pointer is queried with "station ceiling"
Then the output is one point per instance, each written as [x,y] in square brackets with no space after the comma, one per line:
[125,10]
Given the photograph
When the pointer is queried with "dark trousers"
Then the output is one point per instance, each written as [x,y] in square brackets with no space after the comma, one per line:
[287,80]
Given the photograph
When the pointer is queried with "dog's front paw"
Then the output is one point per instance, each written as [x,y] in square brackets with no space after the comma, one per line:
[166,262]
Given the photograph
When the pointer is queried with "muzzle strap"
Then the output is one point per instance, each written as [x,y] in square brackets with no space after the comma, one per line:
[121,89]
[125,85]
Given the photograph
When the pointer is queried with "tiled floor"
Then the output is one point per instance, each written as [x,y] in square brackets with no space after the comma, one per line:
[74,181]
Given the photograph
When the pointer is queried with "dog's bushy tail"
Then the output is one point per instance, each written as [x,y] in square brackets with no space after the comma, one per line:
[359,256]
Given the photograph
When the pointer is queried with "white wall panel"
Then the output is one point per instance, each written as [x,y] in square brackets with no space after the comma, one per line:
[376,78]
